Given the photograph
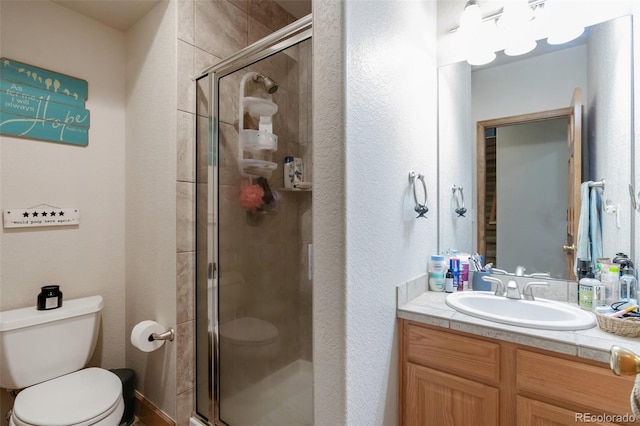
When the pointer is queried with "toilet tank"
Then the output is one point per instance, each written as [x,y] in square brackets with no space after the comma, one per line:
[36,346]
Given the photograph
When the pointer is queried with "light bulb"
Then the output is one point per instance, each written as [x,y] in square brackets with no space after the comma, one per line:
[562,26]
[516,13]
[560,35]
[471,16]
[516,47]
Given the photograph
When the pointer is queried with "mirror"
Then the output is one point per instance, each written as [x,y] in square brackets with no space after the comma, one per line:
[600,64]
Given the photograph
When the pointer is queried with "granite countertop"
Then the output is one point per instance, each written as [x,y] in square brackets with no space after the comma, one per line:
[430,308]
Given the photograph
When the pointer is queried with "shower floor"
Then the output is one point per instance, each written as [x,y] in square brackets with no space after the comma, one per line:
[283,398]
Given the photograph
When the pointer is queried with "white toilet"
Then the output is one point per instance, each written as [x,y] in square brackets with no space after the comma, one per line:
[44,353]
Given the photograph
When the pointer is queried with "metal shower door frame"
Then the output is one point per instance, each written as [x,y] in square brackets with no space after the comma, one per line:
[276,42]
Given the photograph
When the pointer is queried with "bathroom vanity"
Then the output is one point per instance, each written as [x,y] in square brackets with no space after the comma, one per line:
[459,370]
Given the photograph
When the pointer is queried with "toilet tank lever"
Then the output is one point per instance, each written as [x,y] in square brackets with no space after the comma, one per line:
[167,335]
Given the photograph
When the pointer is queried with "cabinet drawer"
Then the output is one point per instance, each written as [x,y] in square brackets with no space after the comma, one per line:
[443,350]
[534,413]
[573,383]
[434,398]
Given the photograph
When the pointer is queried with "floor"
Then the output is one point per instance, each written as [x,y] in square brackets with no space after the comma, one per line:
[284,398]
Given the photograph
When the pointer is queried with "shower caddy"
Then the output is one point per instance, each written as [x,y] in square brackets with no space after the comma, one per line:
[261,142]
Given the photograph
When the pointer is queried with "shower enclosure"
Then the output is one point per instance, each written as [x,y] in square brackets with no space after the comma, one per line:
[253,234]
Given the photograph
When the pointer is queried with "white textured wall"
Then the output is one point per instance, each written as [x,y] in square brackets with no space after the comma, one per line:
[88,259]
[151,196]
[329,216]
[456,134]
[362,161]
[610,125]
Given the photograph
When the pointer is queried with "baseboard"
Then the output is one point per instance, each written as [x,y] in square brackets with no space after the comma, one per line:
[149,414]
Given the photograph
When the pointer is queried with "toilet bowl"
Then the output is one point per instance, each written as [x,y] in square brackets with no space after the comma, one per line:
[250,337]
[92,396]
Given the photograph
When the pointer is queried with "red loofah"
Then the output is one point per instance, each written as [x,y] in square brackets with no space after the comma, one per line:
[251,196]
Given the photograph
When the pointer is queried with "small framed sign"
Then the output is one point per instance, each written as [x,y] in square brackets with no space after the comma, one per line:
[42,215]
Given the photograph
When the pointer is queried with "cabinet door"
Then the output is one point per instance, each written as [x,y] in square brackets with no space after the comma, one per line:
[440,399]
[536,413]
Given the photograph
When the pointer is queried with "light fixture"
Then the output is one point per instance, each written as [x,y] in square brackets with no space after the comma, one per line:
[515,23]
[561,23]
[472,35]
[516,13]
[481,57]
[471,16]
[518,25]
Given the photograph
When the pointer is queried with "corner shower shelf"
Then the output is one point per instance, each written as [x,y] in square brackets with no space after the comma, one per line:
[256,141]
[295,189]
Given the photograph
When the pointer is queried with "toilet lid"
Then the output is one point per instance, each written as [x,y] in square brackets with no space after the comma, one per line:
[79,398]
[249,331]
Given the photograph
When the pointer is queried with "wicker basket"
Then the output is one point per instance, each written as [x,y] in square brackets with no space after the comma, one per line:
[627,327]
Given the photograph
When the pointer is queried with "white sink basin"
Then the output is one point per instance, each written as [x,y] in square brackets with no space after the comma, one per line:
[540,313]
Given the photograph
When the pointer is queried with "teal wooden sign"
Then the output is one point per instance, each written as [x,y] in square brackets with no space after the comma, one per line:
[39,104]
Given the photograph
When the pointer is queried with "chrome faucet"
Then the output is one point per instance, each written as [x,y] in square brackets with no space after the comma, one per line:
[520,271]
[513,292]
[527,292]
[500,289]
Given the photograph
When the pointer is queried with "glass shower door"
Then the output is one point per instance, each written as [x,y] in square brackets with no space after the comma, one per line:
[256,243]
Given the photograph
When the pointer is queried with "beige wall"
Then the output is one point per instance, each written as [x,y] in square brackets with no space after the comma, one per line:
[151,225]
[87,259]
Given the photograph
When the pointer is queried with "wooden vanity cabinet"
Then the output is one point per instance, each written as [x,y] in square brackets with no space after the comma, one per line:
[450,378]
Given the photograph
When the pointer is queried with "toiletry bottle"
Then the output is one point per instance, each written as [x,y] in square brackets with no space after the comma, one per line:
[50,297]
[599,297]
[585,287]
[448,282]
[628,286]
[584,266]
[454,267]
[464,273]
[437,269]
[298,172]
[610,279]
[289,172]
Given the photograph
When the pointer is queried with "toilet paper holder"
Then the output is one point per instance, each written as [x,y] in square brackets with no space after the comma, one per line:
[167,335]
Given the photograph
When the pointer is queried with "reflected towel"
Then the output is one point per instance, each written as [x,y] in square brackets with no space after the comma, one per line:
[582,239]
[595,224]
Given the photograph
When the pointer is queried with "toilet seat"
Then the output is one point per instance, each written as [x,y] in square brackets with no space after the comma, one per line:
[87,397]
[249,331]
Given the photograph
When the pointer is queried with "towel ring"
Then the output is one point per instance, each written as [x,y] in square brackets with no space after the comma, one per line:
[420,208]
[461,210]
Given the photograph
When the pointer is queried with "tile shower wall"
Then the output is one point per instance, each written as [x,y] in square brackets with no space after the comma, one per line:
[208,31]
